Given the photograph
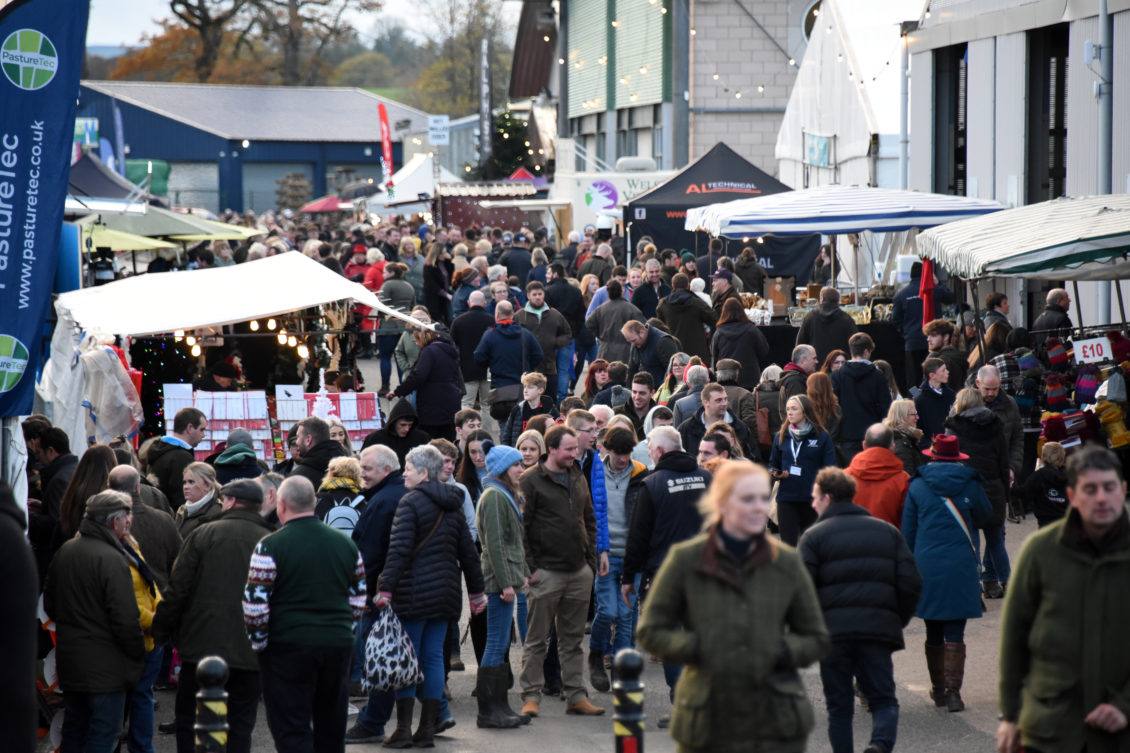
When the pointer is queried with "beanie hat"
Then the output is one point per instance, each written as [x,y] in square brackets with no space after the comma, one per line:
[107,502]
[500,458]
[224,369]
[240,436]
[687,256]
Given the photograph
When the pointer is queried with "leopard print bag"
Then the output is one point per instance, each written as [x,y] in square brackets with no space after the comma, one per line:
[390,659]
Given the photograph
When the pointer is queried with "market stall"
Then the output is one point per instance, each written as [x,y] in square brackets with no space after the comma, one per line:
[184,310]
[1078,392]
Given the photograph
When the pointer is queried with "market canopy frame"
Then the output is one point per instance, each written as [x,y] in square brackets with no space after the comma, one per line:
[153,304]
[833,210]
[1069,238]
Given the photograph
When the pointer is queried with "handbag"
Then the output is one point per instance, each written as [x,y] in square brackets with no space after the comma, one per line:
[390,659]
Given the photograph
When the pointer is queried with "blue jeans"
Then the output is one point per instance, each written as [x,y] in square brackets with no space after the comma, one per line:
[996,566]
[92,722]
[500,616]
[870,663]
[564,370]
[427,638]
[586,355]
[141,705]
[386,347]
[671,674]
[610,608]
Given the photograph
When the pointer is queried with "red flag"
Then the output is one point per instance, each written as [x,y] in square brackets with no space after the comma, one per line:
[386,146]
[926,291]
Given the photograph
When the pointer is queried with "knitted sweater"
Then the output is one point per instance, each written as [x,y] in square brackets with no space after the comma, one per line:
[306,586]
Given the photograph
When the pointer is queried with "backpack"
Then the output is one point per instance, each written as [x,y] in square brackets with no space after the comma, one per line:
[344,515]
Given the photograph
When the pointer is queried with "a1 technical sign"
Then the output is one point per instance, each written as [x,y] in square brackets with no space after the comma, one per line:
[439,130]
[1093,351]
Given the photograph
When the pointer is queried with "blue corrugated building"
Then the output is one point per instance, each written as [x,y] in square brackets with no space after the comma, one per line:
[228,145]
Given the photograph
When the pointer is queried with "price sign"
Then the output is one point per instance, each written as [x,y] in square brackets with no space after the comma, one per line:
[1093,351]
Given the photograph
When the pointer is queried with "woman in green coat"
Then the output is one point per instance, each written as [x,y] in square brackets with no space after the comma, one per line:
[505,577]
[738,610]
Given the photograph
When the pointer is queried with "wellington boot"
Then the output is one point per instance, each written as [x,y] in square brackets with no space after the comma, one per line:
[934,665]
[426,730]
[501,695]
[402,735]
[491,714]
[953,672]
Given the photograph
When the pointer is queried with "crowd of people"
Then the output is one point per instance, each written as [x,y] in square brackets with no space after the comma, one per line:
[583,444]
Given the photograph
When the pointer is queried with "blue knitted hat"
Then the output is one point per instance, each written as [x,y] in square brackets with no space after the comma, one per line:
[500,458]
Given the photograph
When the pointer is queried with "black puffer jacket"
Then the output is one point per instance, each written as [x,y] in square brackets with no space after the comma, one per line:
[314,461]
[981,434]
[743,342]
[425,584]
[864,575]
[864,397]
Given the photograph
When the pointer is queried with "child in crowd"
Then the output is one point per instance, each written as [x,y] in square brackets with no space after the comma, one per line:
[1046,488]
[534,403]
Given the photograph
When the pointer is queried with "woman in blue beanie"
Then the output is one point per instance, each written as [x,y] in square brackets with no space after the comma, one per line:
[499,517]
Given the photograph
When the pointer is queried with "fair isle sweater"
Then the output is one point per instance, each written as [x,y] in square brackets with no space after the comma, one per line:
[305,586]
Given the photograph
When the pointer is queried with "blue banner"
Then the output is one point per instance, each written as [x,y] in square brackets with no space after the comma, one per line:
[41,51]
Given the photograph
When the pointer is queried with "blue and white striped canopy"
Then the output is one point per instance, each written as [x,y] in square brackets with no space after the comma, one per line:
[1082,238]
[834,209]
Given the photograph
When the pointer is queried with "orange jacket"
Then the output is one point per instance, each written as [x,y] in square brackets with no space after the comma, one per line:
[881,483]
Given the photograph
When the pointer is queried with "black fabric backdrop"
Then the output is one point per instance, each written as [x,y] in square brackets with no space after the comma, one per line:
[719,175]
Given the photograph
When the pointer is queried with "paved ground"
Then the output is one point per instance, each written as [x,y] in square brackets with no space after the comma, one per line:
[922,727]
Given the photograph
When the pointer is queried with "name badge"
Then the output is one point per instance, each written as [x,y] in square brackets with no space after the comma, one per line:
[794,470]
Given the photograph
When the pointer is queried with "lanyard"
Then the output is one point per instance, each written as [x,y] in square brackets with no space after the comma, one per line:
[796,448]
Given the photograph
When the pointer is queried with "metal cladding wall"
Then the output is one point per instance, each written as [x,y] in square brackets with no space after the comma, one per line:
[152,135]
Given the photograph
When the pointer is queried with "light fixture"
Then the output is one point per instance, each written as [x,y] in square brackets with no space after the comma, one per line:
[737,95]
[760,88]
[526,143]
[505,135]
[623,80]
[537,167]
[615,24]
[761,239]
[467,168]
[178,335]
[531,151]
[561,61]
[792,61]
[541,151]
[927,14]
[190,340]
[643,69]
[633,97]
[254,325]
[282,337]
[545,38]
[663,11]
[196,351]
[745,239]
[840,58]
[292,341]
[578,65]
[816,11]
[693,32]
[715,76]
[271,324]
[603,60]
[303,352]
[246,143]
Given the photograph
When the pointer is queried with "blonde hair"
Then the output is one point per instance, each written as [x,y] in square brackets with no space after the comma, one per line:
[335,421]
[967,398]
[1053,454]
[534,379]
[343,467]
[204,474]
[897,416]
[726,477]
[533,436]
[621,420]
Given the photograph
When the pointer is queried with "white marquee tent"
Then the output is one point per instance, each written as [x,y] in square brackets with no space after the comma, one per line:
[415,178]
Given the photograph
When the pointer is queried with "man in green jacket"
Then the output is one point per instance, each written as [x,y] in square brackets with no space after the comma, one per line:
[203,608]
[1065,661]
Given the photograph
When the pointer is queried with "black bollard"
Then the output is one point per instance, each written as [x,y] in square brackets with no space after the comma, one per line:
[627,701]
[211,705]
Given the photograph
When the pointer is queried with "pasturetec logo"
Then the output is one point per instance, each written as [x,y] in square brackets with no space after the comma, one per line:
[29,59]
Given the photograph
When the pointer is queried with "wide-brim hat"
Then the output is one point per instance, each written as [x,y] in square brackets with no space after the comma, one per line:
[945,447]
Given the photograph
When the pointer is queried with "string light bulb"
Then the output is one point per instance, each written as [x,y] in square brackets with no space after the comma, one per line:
[190,340]
[760,88]
[271,324]
[292,341]
[178,335]
[282,337]
[196,351]
[303,352]
[254,325]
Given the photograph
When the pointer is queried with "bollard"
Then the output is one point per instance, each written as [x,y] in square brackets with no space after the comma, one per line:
[627,701]
[211,705]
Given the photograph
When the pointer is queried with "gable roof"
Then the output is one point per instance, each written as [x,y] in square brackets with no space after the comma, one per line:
[266,113]
[719,175]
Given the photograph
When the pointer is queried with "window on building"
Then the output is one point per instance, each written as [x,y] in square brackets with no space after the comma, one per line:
[1047,113]
[601,140]
[657,135]
[950,95]
[626,145]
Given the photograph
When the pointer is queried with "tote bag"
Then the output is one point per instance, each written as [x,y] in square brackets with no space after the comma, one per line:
[390,659]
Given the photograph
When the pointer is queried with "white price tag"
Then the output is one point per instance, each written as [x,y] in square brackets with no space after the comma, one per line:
[1093,351]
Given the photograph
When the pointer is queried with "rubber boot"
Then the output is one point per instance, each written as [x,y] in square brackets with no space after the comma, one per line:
[934,665]
[501,695]
[953,672]
[425,732]
[402,735]
[491,713]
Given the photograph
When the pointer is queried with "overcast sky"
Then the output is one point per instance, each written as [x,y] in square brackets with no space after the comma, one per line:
[122,22]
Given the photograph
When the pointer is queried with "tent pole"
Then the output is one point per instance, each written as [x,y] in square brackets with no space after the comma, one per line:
[1121,304]
[977,320]
[1078,310]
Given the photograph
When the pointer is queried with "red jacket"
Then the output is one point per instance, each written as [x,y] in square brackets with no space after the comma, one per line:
[881,483]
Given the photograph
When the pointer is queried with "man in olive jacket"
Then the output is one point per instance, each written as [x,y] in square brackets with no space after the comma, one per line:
[203,608]
[1064,658]
[560,528]
[99,643]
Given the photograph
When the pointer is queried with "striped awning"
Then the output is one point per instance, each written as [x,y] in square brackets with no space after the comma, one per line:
[834,209]
[1084,238]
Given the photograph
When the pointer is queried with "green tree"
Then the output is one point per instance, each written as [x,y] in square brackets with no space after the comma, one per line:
[509,134]
[366,69]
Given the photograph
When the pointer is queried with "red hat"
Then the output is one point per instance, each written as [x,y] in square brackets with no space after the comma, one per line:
[945,447]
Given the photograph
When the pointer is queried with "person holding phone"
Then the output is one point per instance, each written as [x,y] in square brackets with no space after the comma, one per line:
[801,448]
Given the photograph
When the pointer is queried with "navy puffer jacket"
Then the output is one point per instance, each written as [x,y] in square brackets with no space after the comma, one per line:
[425,583]
[864,575]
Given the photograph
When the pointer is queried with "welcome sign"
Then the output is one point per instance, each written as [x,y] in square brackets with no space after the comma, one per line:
[41,49]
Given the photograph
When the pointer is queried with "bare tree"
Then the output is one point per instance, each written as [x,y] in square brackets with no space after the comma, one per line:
[209,19]
[303,29]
